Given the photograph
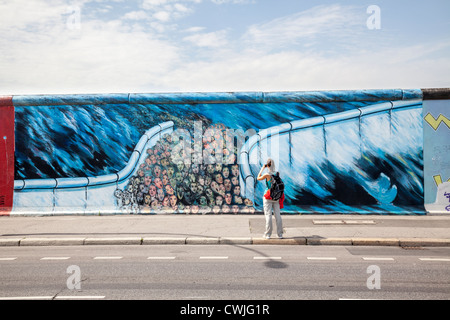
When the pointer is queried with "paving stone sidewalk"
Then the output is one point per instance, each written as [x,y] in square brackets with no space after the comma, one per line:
[415,231]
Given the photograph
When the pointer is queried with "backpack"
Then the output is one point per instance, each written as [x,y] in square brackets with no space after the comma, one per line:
[277,187]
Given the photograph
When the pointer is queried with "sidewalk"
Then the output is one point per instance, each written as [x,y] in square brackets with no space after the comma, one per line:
[415,231]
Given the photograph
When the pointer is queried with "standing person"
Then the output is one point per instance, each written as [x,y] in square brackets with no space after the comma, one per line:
[268,204]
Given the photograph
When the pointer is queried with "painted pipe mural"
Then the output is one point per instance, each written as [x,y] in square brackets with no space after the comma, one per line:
[363,152]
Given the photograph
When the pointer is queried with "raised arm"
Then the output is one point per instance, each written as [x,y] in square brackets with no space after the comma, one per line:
[261,176]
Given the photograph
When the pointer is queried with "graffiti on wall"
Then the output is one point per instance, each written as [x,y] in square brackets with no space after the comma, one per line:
[168,181]
[6,154]
[436,151]
[335,156]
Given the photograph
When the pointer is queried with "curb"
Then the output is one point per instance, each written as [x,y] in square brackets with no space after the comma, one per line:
[115,241]
[285,241]
[50,242]
[398,242]
[376,242]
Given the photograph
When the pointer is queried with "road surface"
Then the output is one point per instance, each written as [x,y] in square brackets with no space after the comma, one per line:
[224,272]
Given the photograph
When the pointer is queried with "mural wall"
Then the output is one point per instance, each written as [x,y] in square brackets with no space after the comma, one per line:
[436,155]
[6,154]
[199,153]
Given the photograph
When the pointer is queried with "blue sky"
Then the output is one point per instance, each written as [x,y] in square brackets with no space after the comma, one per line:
[105,46]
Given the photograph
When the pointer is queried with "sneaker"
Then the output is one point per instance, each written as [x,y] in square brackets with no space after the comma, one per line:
[280,237]
[266,237]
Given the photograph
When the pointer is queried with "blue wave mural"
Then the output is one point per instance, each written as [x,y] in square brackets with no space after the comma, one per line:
[370,164]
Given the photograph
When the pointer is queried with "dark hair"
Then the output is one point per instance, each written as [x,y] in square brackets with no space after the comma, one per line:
[269,163]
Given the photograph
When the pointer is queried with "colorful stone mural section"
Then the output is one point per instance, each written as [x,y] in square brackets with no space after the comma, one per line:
[347,152]
[436,155]
[6,154]
[170,182]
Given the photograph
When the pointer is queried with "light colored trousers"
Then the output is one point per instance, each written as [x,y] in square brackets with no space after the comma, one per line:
[270,205]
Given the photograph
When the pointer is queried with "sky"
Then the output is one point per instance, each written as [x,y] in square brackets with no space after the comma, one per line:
[136,46]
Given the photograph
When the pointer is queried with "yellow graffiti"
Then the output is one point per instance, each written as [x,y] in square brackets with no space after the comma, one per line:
[435,123]
[438,179]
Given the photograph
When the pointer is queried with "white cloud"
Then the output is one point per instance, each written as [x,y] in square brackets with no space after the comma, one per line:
[293,53]
[163,16]
[21,13]
[233,1]
[211,39]
[305,27]
[181,8]
[126,54]
[176,4]
[136,15]
[296,71]
[194,29]
[44,56]
[150,4]
[167,10]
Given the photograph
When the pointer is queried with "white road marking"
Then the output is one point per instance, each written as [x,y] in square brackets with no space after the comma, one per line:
[377,259]
[107,258]
[80,297]
[359,221]
[321,258]
[355,299]
[52,297]
[28,298]
[327,222]
[8,259]
[161,258]
[266,258]
[55,258]
[434,259]
[214,258]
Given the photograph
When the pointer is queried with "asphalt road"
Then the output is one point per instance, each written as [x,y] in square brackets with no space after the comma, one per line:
[231,272]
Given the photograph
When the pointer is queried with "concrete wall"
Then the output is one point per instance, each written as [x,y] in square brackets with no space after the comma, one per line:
[436,112]
[363,152]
